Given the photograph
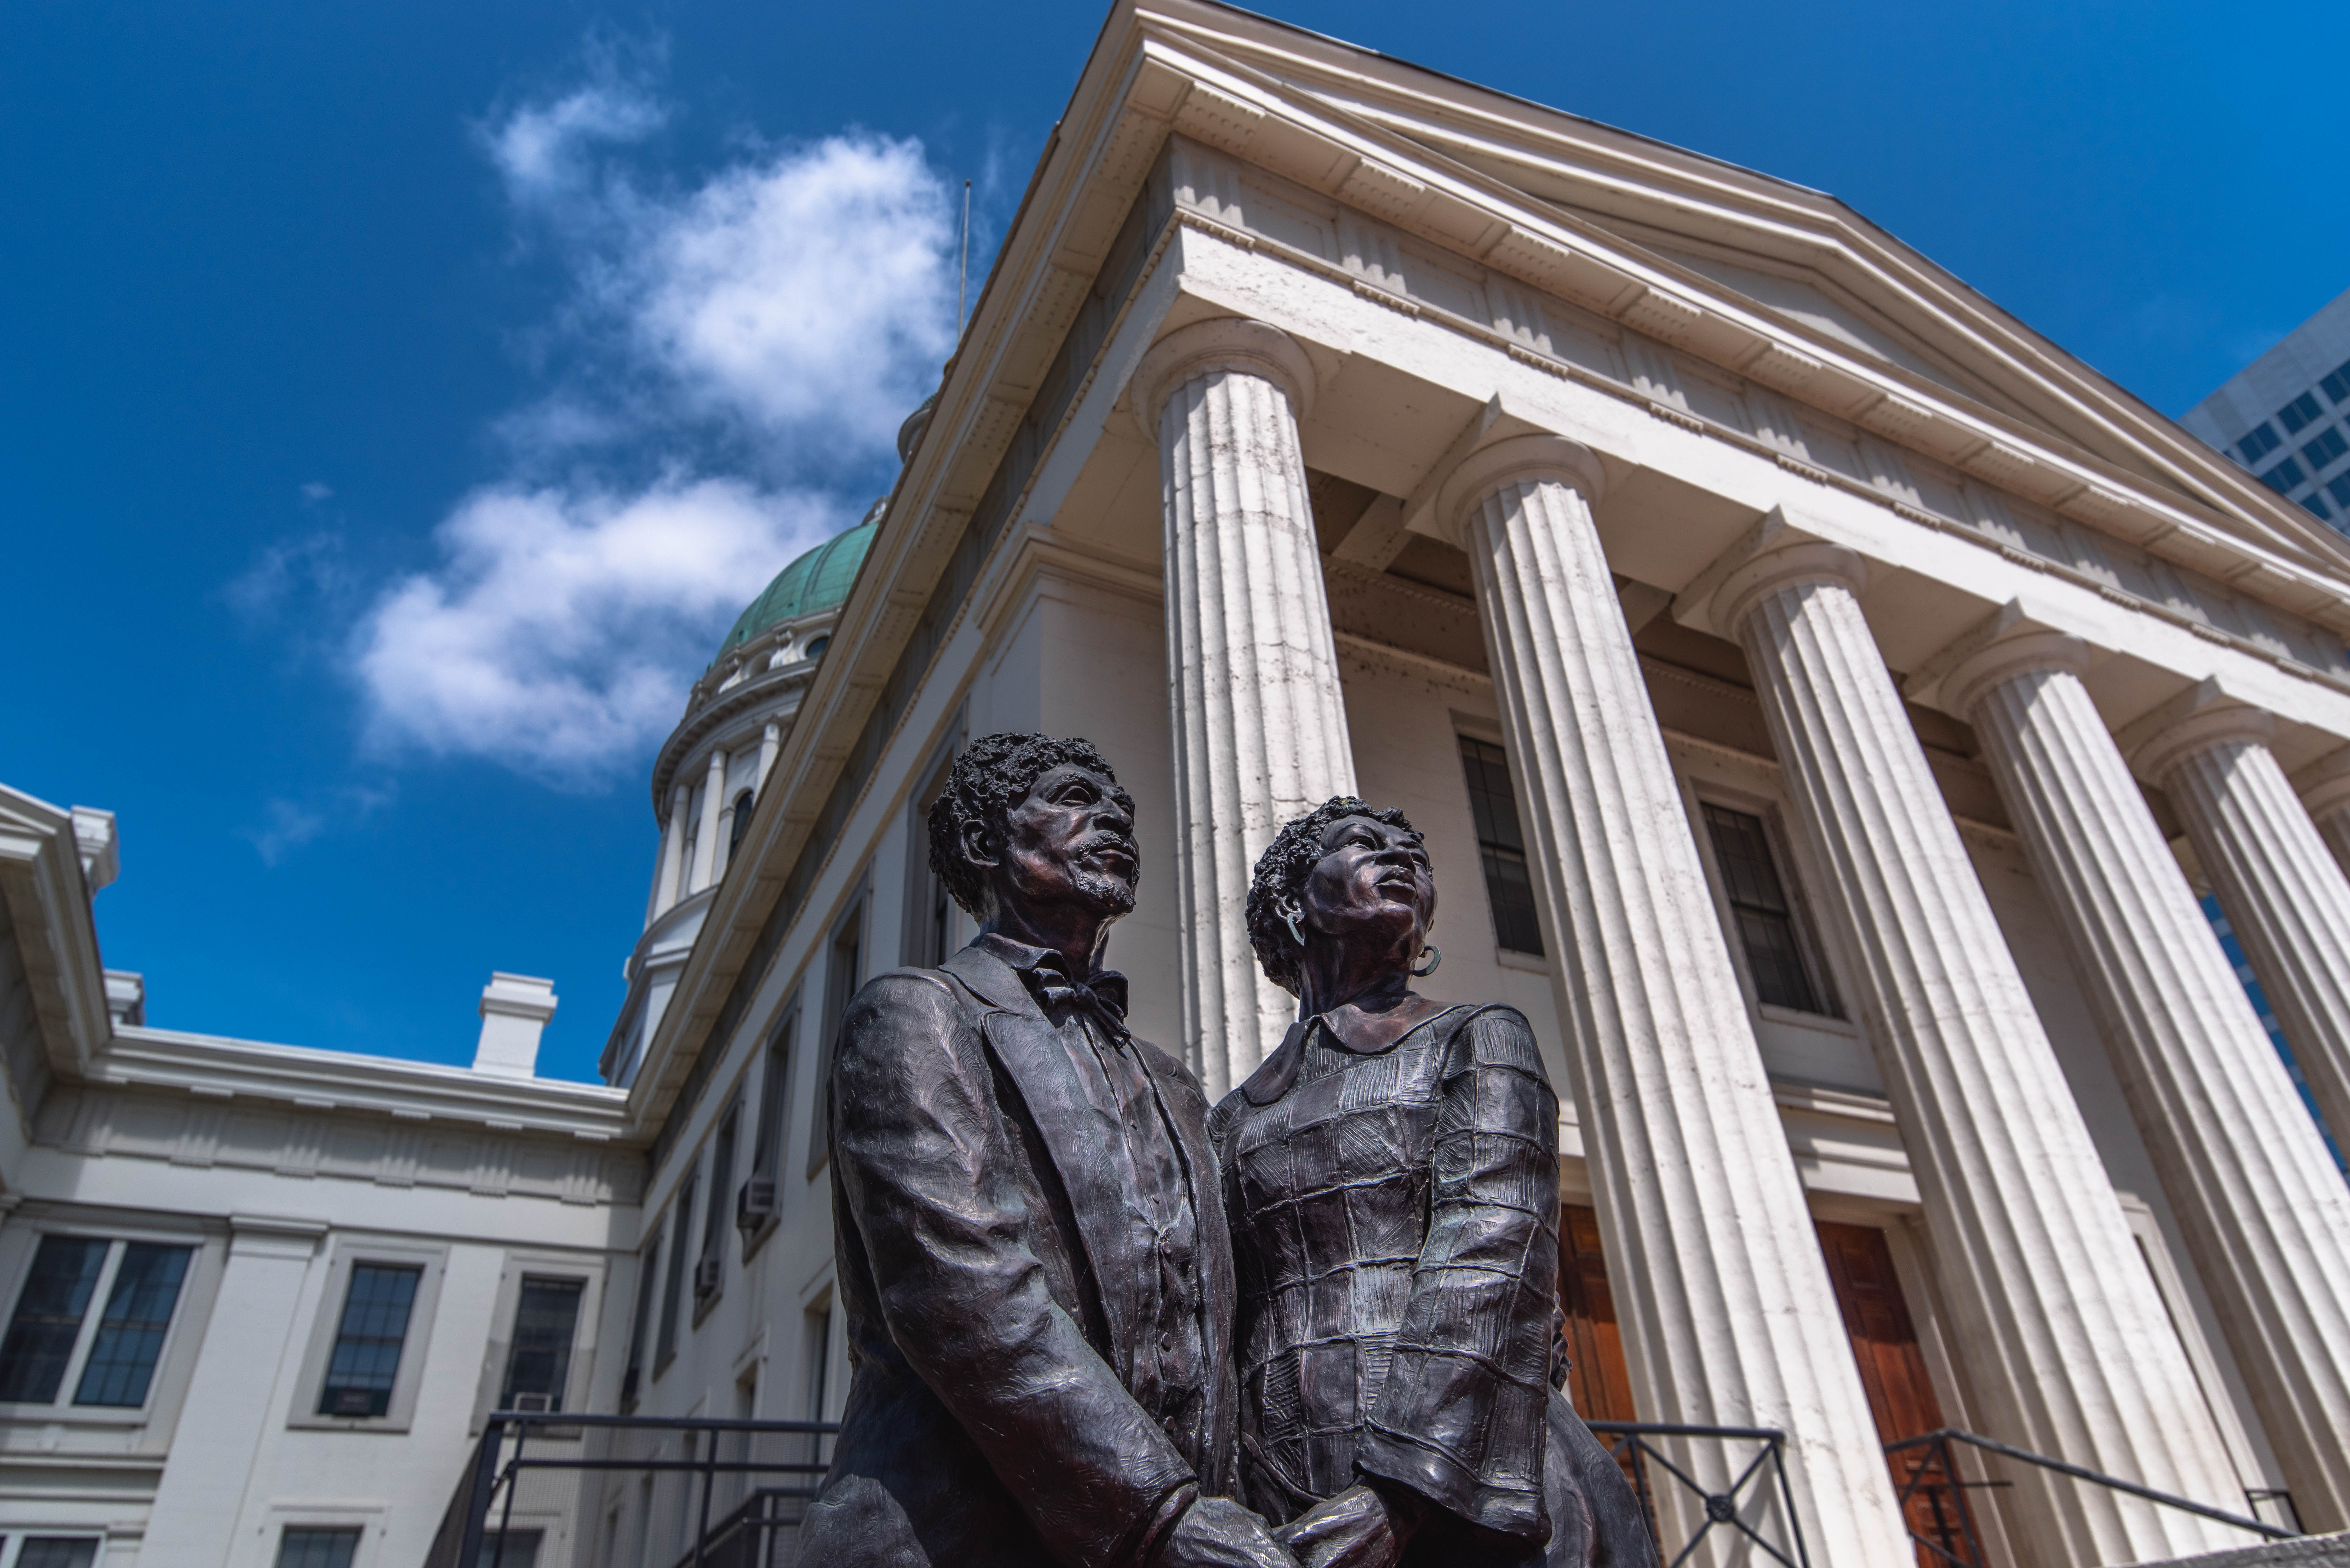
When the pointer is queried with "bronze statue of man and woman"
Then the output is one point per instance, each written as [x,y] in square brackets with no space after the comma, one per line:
[1093,1322]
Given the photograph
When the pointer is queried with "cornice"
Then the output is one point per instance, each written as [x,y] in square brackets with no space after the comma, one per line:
[333,1080]
[48,907]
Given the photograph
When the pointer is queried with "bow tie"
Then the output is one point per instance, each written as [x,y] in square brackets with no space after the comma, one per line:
[1104,996]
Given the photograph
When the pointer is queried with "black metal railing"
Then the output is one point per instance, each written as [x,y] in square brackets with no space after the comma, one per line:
[1753,1499]
[557,1491]
[1933,1494]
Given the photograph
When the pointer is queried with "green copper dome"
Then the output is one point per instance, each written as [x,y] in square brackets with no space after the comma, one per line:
[818,580]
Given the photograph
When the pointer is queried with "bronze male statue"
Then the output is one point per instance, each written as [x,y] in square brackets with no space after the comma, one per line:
[1028,1232]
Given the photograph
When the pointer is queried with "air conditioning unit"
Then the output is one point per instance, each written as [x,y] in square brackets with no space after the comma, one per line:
[755,1204]
[534,1403]
[707,1274]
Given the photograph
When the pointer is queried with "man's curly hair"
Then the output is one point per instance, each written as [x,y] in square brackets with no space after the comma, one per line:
[991,775]
[1282,868]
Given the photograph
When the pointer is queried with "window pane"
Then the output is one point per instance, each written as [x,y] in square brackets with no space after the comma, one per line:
[2297,415]
[2283,476]
[1502,847]
[59,1551]
[1760,910]
[520,1550]
[540,1361]
[2261,441]
[131,1331]
[49,1317]
[368,1342]
[680,1227]
[2338,385]
[310,1546]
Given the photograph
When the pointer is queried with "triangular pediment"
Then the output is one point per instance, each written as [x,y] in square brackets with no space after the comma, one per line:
[1770,251]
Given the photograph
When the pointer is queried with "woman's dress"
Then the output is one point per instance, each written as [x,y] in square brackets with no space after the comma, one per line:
[1394,1215]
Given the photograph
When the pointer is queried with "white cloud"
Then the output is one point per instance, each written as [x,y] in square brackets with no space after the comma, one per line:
[811,293]
[542,150]
[559,632]
[292,825]
[791,308]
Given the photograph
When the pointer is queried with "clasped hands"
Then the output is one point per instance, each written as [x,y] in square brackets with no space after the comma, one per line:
[1362,1526]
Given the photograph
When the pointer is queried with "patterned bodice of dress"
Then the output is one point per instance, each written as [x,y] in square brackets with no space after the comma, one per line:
[1394,1217]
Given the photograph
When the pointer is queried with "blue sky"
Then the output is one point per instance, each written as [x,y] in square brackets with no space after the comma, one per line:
[393,412]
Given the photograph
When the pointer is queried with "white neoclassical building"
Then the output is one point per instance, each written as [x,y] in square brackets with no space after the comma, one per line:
[262,1300]
[1825,700]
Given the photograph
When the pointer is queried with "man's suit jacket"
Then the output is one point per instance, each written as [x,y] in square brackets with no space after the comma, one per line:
[991,1293]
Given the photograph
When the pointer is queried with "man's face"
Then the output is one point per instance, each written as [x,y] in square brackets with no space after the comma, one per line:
[1069,841]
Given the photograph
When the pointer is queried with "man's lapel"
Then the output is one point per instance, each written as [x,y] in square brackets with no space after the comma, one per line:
[1075,1133]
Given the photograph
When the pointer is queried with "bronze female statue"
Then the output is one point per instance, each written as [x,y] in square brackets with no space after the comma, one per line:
[1392,1183]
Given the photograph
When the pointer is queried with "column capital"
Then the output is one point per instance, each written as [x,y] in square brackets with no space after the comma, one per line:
[1510,460]
[1222,343]
[2205,715]
[2324,784]
[1798,560]
[1775,551]
[2013,640]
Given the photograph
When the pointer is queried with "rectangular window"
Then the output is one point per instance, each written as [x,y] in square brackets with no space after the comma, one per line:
[1760,909]
[673,1284]
[2283,476]
[57,1552]
[2258,442]
[840,981]
[2315,504]
[316,1546]
[369,1340]
[648,1277]
[1502,847]
[508,1549]
[2338,385]
[49,1312]
[928,907]
[539,1365]
[130,1330]
[2327,446]
[775,1089]
[2339,488]
[2299,414]
[722,1183]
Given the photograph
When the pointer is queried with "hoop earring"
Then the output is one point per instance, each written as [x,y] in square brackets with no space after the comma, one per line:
[1434,955]
[1291,921]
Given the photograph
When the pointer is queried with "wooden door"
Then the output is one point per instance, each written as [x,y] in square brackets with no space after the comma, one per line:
[1893,1372]
[1598,1384]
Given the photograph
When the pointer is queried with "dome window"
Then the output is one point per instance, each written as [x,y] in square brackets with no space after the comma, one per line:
[742,823]
[814,650]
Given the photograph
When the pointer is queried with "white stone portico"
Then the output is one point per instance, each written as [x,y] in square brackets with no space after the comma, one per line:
[1824,702]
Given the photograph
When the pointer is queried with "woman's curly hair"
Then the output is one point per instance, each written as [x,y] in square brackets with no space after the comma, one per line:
[1282,870]
[991,775]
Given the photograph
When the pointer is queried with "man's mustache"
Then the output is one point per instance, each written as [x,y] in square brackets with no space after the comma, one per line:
[1092,842]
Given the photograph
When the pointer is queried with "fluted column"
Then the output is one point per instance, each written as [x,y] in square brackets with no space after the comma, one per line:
[1728,1315]
[1260,720]
[2066,1346]
[2285,894]
[2264,1211]
[706,836]
[672,855]
[2325,795]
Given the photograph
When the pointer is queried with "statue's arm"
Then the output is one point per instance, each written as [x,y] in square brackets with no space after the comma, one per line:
[924,1157]
[1460,1421]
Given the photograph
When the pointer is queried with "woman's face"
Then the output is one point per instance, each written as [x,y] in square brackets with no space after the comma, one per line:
[1373,882]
